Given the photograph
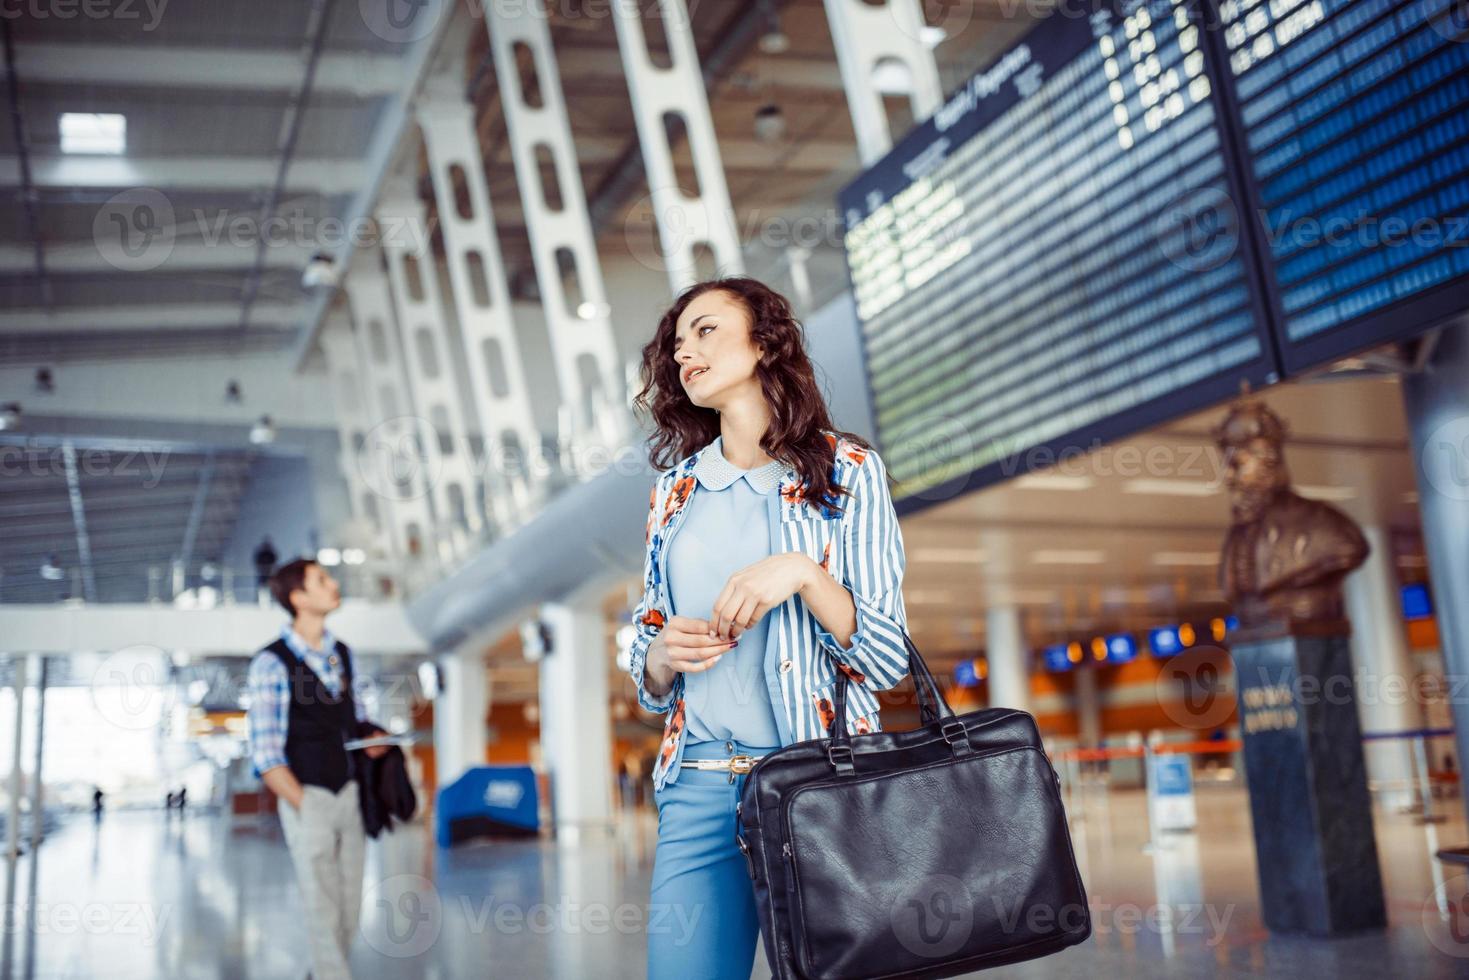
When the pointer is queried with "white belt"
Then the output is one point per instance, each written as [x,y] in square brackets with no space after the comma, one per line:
[735,765]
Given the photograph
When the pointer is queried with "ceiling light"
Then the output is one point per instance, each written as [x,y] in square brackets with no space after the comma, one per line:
[947,554]
[891,77]
[328,557]
[1068,556]
[353,556]
[928,597]
[1054,481]
[51,569]
[770,123]
[1170,488]
[1200,558]
[93,132]
[932,36]
[9,416]
[320,271]
[588,310]
[1317,492]
[773,40]
[262,433]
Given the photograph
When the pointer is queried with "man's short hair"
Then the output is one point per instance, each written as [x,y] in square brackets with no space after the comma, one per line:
[287,579]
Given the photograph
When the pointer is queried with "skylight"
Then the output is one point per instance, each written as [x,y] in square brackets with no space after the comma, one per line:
[93,132]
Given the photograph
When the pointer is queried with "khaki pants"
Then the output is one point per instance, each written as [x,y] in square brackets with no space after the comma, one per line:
[328,848]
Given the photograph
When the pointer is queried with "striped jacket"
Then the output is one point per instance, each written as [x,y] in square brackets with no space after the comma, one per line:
[860,546]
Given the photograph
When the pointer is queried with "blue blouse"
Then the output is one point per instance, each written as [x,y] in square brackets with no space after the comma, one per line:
[724,532]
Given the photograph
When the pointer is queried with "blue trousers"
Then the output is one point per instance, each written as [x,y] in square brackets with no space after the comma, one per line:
[702,922]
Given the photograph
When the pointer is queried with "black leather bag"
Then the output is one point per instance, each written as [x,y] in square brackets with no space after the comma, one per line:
[924,853]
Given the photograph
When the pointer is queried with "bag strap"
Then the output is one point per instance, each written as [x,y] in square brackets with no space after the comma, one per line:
[932,706]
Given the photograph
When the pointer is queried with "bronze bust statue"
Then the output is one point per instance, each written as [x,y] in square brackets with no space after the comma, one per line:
[1285,556]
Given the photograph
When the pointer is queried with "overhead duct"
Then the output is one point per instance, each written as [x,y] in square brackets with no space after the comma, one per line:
[592,531]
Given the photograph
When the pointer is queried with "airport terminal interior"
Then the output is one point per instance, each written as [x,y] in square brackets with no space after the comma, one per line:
[1156,313]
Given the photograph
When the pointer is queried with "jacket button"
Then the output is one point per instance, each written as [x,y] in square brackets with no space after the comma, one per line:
[785,666]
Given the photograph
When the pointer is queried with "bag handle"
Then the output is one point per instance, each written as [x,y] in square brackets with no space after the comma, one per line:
[932,706]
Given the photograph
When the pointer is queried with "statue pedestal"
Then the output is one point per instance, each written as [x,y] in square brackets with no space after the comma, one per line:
[1312,815]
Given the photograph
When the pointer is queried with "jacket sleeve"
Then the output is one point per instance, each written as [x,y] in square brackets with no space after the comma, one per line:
[873,564]
[647,618]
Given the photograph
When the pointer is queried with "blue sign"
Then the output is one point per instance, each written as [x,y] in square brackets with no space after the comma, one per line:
[965,674]
[485,801]
[1164,641]
[1416,602]
[1121,648]
[1056,659]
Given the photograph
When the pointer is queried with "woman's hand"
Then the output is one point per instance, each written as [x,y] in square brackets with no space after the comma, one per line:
[684,645]
[756,589]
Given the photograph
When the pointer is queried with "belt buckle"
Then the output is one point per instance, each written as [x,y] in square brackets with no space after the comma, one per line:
[740,765]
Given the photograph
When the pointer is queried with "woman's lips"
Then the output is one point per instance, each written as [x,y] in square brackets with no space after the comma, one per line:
[696,373]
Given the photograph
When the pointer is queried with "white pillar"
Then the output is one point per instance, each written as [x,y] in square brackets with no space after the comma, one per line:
[1088,708]
[1384,672]
[18,667]
[348,386]
[576,720]
[460,713]
[1009,662]
[582,345]
[428,357]
[865,35]
[684,221]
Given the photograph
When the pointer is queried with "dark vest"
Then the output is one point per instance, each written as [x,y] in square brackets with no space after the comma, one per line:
[318,724]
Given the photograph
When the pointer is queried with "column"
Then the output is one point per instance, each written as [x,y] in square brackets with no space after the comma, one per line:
[1437,403]
[866,34]
[567,269]
[684,221]
[1384,673]
[460,715]
[481,295]
[348,387]
[576,719]
[40,665]
[395,459]
[1088,708]
[413,274]
[12,849]
[1009,661]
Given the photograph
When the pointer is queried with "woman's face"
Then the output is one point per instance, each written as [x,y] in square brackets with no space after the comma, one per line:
[711,343]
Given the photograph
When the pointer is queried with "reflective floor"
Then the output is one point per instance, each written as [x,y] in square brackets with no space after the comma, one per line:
[204,896]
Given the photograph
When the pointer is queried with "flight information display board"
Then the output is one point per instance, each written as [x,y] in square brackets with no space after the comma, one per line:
[1037,267]
[1355,123]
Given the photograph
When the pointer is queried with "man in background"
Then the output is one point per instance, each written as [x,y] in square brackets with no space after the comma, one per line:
[302,712]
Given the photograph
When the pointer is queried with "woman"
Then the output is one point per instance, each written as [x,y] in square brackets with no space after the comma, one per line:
[774,560]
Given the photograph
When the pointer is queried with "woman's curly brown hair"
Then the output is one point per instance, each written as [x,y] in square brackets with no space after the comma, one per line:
[798,416]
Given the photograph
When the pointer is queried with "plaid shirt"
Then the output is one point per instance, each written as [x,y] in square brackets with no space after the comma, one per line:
[269,685]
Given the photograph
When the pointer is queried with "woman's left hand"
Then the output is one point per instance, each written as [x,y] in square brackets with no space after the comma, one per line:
[756,589]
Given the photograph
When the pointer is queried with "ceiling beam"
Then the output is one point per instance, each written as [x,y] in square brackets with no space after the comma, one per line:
[168,316]
[83,257]
[184,173]
[360,75]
